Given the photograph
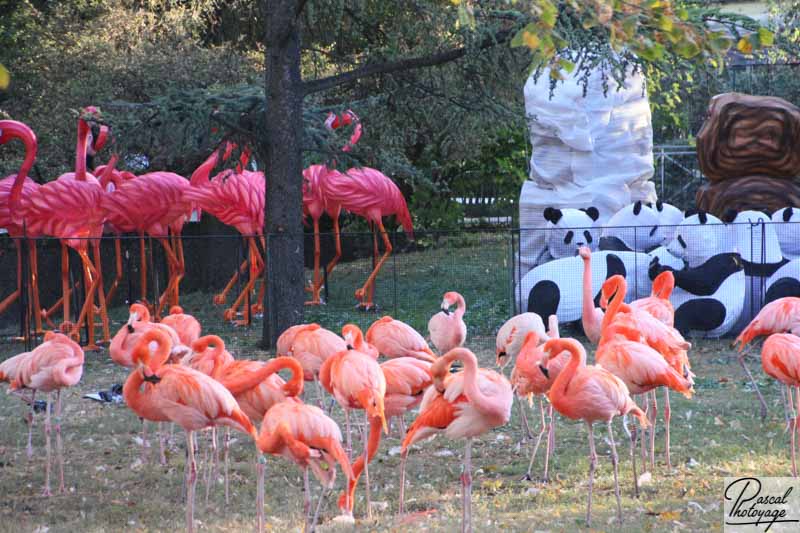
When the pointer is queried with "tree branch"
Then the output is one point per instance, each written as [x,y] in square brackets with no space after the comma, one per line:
[373,69]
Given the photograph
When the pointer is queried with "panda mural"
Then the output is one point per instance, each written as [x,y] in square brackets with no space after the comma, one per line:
[786,223]
[568,230]
[634,228]
[555,288]
[760,250]
[708,295]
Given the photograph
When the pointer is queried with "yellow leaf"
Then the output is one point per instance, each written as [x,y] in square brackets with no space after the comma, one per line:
[5,78]
[531,40]
[744,45]
[669,516]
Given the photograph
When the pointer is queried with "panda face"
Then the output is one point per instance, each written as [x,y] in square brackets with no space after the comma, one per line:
[786,223]
[638,226]
[756,239]
[569,229]
[698,238]
[669,217]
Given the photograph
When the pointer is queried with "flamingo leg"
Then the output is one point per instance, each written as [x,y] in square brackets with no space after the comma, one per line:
[256,268]
[632,435]
[37,308]
[306,499]
[219,299]
[316,283]
[551,443]
[466,488]
[65,288]
[401,504]
[667,413]
[653,431]
[191,479]
[361,294]
[47,313]
[526,429]
[261,462]
[118,263]
[180,267]
[227,448]
[59,444]
[364,431]
[797,408]
[11,298]
[47,429]
[337,236]
[542,430]
[785,389]
[144,441]
[349,449]
[101,296]
[645,401]
[615,463]
[792,436]
[87,311]
[143,268]
[29,449]
[592,467]
[316,511]
[211,471]
[162,457]
[172,261]
[258,306]
[755,385]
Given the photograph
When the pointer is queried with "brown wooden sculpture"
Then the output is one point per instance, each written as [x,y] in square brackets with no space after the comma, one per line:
[749,149]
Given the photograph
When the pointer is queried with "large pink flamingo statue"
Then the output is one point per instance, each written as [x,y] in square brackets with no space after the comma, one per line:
[69,209]
[370,194]
[12,189]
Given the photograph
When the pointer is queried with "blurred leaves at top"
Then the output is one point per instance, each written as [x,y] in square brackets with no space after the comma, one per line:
[175,76]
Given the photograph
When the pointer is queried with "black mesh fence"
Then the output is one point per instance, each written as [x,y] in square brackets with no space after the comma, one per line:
[499,272]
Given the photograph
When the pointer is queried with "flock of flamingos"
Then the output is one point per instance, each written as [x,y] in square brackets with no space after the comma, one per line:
[78,207]
[177,376]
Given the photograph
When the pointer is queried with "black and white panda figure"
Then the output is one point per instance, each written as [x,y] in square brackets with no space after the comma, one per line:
[634,228]
[709,290]
[568,230]
[556,288]
[784,282]
[786,223]
[760,250]
[669,217]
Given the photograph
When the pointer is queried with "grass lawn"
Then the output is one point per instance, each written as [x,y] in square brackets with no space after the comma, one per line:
[716,434]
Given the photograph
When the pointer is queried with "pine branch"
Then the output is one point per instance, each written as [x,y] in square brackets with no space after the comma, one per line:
[390,67]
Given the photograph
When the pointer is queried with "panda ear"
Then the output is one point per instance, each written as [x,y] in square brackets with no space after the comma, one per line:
[637,207]
[787,214]
[729,216]
[702,217]
[552,215]
[593,213]
[659,205]
[690,212]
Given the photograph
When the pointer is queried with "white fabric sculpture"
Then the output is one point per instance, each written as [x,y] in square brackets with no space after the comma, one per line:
[593,150]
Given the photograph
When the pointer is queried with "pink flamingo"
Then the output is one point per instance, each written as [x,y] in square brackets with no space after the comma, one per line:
[306,436]
[533,375]
[69,209]
[370,194]
[12,189]
[184,396]
[125,340]
[592,394]
[8,373]
[236,198]
[312,345]
[658,304]
[51,366]
[393,338]
[779,316]
[662,338]
[780,358]
[186,326]
[449,331]
[462,406]
[642,369]
[356,381]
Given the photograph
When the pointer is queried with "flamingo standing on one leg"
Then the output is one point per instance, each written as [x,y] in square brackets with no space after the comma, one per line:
[356,381]
[314,205]
[12,189]
[641,368]
[448,330]
[780,358]
[592,394]
[51,366]
[184,396]
[533,375]
[236,198]
[69,208]
[371,194]
[462,406]
[305,435]
[779,316]
[393,338]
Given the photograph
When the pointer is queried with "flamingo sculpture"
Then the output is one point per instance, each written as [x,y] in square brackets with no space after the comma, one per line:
[372,195]
[314,205]
[462,406]
[448,330]
[592,394]
[69,208]
[12,189]
[184,396]
[236,198]
[53,365]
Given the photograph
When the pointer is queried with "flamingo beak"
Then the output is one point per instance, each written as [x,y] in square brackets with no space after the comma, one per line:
[544,371]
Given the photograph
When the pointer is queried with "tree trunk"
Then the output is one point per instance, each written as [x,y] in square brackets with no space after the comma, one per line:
[281,143]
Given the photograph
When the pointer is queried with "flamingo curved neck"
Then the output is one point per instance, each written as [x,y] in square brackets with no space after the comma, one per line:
[81,150]
[616,302]
[18,130]
[201,175]
[589,317]
[461,306]
[442,366]
[577,359]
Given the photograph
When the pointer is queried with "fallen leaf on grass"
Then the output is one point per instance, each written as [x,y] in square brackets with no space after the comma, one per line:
[668,516]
